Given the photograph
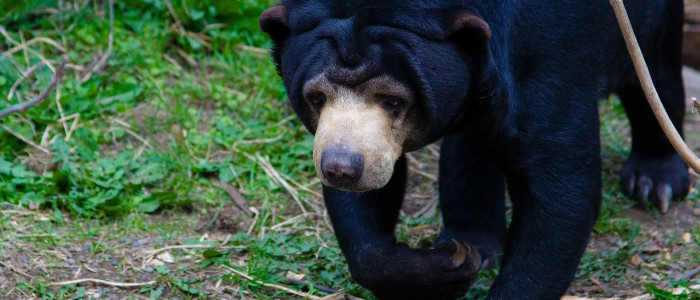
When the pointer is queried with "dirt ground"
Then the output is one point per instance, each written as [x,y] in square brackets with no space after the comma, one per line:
[127,258]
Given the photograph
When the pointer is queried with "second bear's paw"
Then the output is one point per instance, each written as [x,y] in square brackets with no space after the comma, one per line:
[446,272]
[658,179]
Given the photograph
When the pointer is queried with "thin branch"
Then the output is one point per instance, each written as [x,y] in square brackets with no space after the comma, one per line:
[688,275]
[156,251]
[274,175]
[26,105]
[24,139]
[173,13]
[105,282]
[16,270]
[35,40]
[292,281]
[275,286]
[648,86]
[24,76]
[26,48]
[235,196]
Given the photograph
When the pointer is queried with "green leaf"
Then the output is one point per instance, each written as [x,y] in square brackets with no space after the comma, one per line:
[191,242]
[156,293]
[31,198]
[196,14]
[211,253]
[149,206]
[162,269]
[226,175]
[129,92]
[148,173]
[185,286]
[20,172]
[194,43]
[5,167]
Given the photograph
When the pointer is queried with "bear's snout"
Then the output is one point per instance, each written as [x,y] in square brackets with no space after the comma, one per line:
[342,167]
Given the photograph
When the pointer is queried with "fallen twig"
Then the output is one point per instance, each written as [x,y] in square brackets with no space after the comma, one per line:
[41,97]
[235,196]
[292,281]
[16,271]
[274,175]
[648,86]
[105,282]
[688,275]
[24,76]
[24,139]
[271,285]
[35,40]
[153,253]
[427,210]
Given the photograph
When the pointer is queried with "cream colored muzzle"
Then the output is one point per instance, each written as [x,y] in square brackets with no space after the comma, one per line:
[357,136]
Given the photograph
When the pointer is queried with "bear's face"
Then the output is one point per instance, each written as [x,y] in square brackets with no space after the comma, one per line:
[360,130]
[370,84]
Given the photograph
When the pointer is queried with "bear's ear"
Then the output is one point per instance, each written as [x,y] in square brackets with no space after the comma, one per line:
[466,27]
[275,22]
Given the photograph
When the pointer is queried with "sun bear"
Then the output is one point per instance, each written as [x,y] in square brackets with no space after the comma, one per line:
[511,87]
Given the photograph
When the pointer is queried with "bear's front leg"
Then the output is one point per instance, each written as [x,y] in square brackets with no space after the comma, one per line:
[364,226]
[556,198]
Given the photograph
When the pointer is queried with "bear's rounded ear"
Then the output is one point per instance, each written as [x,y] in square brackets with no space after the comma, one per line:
[467,26]
[275,22]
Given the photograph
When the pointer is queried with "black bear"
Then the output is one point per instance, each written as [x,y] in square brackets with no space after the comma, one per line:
[511,87]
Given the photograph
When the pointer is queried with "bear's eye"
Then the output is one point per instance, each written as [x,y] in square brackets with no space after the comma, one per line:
[392,104]
[316,99]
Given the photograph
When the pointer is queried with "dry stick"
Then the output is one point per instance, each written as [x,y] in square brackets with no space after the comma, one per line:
[292,281]
[688,275]
[235,196]
[24,76]
[648,86]
[275,286]
[105,282]
[24,139]
[28,43]
[13,269]
[26,105]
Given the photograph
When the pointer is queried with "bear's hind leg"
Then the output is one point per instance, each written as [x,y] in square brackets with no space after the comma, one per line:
[472,198]
[654,172]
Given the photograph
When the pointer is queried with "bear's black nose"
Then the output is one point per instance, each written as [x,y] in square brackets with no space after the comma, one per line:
[342,167]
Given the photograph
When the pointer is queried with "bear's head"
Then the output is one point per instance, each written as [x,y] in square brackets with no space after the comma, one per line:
[373,80]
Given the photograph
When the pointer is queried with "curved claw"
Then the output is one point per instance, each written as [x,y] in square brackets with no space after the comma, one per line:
[665,193]
[460,255]
[644,186]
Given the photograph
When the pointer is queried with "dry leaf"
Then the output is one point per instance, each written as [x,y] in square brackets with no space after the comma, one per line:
[636,261]
[293,275]
[165,257]
[686,237]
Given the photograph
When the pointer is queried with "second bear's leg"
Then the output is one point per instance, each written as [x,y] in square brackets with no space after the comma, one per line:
[472,193]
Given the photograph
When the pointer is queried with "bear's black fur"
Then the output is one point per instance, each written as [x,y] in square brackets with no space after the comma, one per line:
[512,87]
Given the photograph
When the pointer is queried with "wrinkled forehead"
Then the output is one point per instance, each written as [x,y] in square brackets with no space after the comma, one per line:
[359,45]
[423,18]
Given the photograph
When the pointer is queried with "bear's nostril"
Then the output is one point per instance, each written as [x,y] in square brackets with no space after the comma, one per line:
[342,167]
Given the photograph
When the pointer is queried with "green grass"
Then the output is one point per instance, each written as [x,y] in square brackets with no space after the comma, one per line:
[136,156]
